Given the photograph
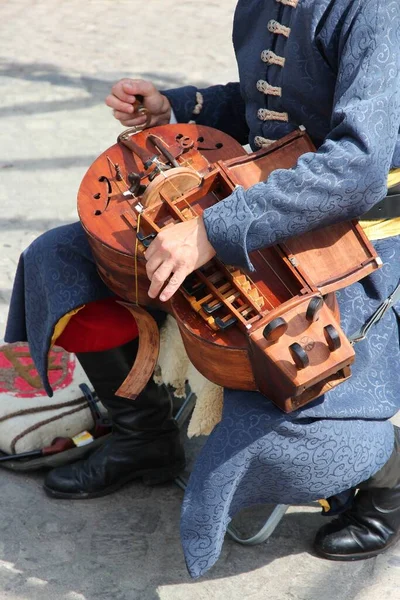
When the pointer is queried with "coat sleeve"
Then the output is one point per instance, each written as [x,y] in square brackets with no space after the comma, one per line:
[348,173]
[221,106]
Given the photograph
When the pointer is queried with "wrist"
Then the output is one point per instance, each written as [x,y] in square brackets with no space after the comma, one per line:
[166,109]
[204,242]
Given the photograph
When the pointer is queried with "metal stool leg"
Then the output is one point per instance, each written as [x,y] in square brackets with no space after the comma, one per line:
[273,520]
[185,410]
[261,536]
[266,530]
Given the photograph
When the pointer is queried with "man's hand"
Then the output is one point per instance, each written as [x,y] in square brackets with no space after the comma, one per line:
[123,95]
[176,251]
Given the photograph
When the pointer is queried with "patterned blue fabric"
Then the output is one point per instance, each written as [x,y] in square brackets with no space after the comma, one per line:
[223,108]
[340,80]
[258,455]
[55,274]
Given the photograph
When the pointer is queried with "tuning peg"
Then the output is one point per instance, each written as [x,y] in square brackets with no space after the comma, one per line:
[332,338]
[299,355]
[314,308]
[275,329]
[136,188]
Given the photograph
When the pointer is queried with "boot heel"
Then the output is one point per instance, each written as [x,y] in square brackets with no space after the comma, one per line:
[158,476]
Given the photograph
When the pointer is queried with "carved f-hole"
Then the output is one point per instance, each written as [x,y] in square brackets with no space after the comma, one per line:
[105,179]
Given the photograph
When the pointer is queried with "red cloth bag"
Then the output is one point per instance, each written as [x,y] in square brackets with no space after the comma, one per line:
[98,326]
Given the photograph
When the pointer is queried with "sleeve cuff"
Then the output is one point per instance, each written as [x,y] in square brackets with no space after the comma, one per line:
[173,119]
[183,102]
[227,224]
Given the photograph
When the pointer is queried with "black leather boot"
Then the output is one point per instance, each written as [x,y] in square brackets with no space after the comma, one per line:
[144,443]
[372,524]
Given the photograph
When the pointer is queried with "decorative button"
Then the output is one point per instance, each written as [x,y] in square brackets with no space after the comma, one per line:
[271,58]
[266,88]
[262,142]
[275,27]
[199,103]
[292,3]
[272,115]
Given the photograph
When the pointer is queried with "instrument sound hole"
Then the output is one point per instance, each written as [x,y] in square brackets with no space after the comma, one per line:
[184,141]
[105,179]
[97,212]
[217,146]
[96,196]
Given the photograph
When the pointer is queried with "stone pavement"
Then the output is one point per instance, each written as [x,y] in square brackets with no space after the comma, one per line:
[58,60]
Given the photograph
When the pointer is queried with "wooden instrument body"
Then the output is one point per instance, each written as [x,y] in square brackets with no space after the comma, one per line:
[241,330]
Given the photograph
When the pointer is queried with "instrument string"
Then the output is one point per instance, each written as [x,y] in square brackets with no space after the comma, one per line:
[167,179]
[268,302]
[275,273]
[180,194]
[110,162]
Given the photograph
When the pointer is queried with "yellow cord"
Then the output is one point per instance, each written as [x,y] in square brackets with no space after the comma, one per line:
[136,260]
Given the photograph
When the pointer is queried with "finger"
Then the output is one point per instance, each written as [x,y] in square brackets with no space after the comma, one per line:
[154,248]
[129,90]
[140,87]
[174,284]
[152,265]
[160,276]
[117,104]
[124,90]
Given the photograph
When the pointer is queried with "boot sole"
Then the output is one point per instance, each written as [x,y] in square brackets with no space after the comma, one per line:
[357,556]
[149,477]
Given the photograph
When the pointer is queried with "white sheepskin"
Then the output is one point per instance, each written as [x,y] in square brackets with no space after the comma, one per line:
[175,368]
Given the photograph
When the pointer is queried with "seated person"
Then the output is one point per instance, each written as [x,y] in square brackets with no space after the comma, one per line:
[334,67]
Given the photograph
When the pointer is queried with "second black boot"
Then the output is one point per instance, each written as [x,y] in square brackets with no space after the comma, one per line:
[144,443]
[372,524]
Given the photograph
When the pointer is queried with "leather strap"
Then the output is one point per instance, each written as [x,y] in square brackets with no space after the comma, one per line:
[388,208]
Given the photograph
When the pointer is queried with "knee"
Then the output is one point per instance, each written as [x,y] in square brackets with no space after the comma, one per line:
[42,244]
[54,241]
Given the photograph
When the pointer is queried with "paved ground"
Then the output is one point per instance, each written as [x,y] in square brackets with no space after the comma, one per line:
[58,60]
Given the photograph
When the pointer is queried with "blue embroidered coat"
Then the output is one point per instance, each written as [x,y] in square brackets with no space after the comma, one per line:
[334,67]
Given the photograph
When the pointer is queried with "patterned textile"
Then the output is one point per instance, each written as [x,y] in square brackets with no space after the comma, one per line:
[55,274]
[257,454]
[336,63]
[223,108]
[28,420]
[337,52]
[334,67]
